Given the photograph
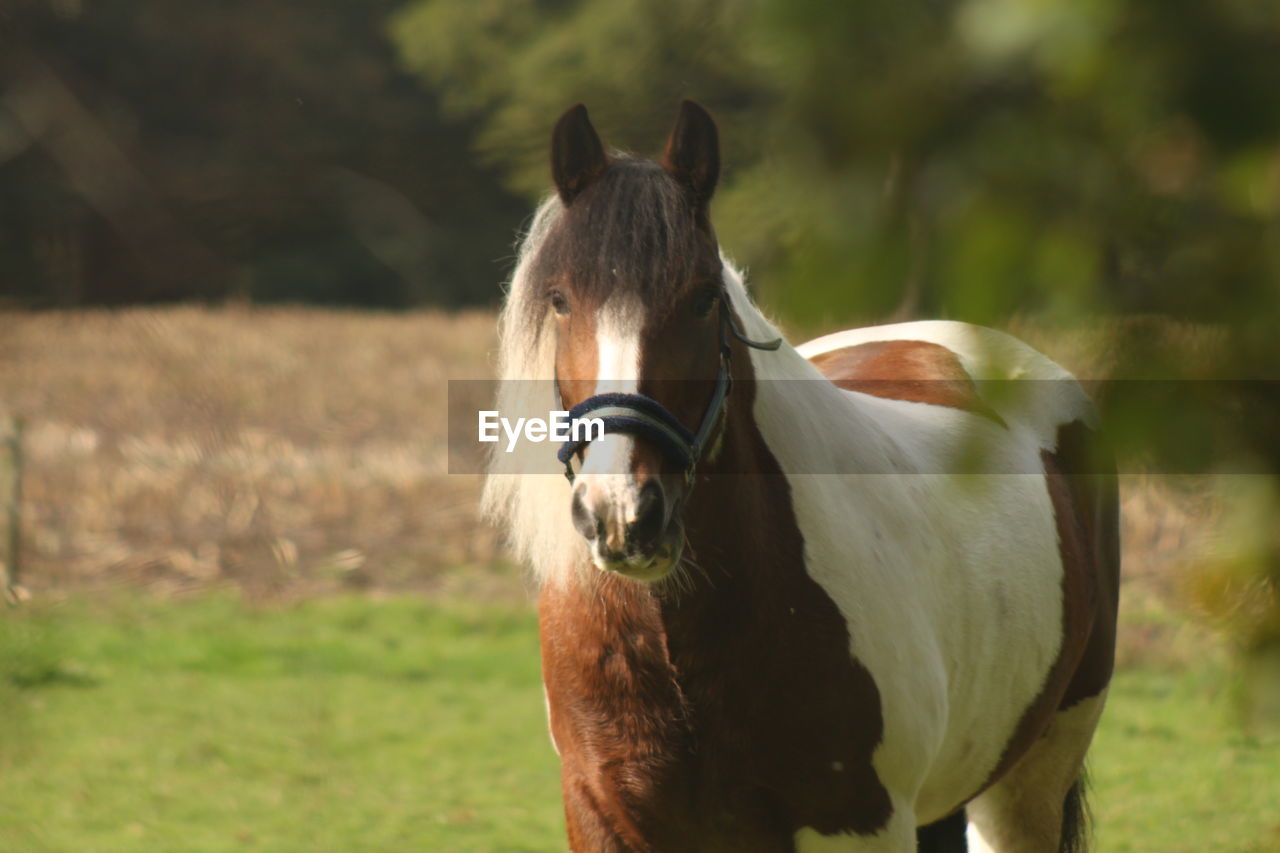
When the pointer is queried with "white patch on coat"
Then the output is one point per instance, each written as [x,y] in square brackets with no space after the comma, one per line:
[604,482]
[950,583]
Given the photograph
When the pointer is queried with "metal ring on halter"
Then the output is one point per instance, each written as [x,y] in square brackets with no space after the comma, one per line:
[645,417]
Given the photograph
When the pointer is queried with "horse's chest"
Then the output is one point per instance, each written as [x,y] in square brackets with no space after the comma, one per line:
[738,725]
[784,719]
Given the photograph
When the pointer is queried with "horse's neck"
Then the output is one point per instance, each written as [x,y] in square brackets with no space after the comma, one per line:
[742,538]
[795,408]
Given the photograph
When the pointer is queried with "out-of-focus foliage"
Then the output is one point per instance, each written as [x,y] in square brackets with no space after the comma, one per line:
[1239,592]
[153,150]
[519,64]
[970,158]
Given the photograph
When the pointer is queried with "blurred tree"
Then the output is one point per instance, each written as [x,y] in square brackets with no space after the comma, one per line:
[516,65]
[1049,155]
[156,151]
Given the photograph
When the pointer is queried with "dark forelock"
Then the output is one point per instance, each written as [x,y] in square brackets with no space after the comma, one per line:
[633,230]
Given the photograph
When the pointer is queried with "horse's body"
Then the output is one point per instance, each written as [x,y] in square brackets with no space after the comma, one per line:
[853,654]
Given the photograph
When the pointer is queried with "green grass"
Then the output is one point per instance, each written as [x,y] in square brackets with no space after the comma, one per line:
[362,724]
[1172,770]
[337,725]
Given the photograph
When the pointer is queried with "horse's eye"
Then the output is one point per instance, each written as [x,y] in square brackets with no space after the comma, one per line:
[559,303]
[705,302]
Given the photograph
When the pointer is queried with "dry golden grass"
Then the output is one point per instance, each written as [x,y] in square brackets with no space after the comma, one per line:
[296,450]
[282,449]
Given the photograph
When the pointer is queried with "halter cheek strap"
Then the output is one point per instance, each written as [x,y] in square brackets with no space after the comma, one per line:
[644,417]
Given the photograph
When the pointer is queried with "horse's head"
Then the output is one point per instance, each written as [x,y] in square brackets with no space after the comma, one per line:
[633,278]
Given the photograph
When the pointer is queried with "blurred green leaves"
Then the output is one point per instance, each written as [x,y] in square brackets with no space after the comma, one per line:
[970,158]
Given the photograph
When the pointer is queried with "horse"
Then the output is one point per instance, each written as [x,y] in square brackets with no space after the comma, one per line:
[782,605]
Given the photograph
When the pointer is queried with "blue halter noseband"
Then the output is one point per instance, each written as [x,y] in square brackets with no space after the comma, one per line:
[645,417]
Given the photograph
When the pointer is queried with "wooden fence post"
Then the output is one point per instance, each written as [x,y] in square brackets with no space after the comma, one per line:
[13,565]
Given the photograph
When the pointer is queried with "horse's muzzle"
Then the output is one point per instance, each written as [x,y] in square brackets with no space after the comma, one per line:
[630,530]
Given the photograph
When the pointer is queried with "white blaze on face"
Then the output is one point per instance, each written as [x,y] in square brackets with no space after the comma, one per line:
[605,482]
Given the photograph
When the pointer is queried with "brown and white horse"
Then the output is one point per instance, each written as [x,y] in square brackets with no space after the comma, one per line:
[833,623]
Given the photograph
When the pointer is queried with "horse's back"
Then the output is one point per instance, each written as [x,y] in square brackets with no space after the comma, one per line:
[957,365]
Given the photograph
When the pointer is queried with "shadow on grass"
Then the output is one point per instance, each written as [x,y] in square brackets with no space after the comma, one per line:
[34,651]
[56,677]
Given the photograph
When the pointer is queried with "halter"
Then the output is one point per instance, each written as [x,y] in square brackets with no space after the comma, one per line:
[638,415]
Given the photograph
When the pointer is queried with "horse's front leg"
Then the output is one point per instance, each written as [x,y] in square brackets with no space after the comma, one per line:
[587,827]
[594,823]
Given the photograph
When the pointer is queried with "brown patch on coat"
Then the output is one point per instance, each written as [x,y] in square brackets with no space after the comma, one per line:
[1082,487]
[1091,476]
[725,715]
[915,371]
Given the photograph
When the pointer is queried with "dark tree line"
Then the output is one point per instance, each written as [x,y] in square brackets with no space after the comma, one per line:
[154,151]
[963,157]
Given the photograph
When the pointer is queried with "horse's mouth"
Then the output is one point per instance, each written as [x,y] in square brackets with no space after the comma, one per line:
[647,567]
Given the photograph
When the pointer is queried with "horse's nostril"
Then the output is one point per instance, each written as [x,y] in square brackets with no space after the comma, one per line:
[584,520]
[600,523]
[646,530]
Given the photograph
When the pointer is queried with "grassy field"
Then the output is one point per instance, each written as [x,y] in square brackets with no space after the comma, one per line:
[263,615]
[348,724]
[404,724]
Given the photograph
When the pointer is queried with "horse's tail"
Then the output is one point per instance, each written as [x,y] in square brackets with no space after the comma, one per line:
[1076,817]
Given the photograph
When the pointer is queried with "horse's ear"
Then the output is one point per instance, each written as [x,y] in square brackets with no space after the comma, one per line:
[577,156]
[693,152]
